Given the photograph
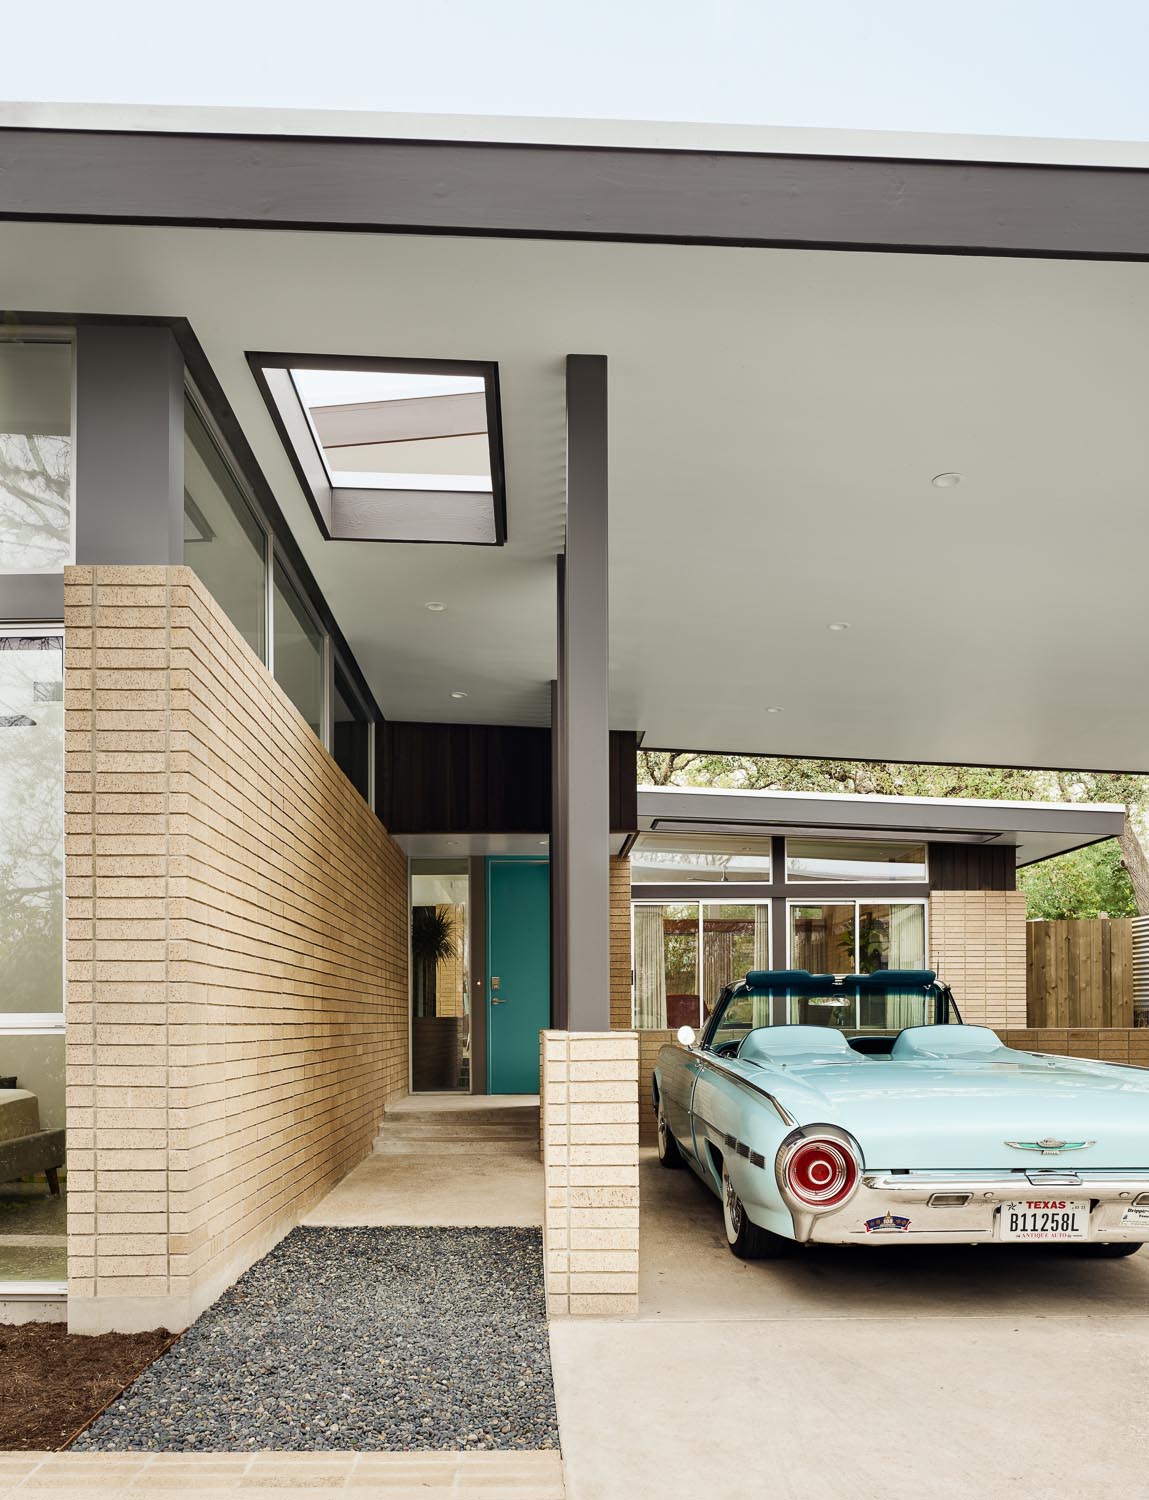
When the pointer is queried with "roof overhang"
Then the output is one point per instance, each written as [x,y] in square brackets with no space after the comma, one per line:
[1035,830]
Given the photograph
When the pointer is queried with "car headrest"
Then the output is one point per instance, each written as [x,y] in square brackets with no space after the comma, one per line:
[777,1043]
[781,979]
[945,1041]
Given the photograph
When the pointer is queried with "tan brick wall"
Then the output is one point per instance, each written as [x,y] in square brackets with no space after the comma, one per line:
[237,988]
[977,946]
[590,1155]
[1107,1044]
[649,1045]
[621,1018]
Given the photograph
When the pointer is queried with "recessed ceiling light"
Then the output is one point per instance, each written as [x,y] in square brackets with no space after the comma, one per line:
[774,709]
[452,843]
[435,606]
[543,841]
[945,481]
[458,695]
[839,625]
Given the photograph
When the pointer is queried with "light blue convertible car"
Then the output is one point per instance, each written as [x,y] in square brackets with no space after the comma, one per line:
[860,1110]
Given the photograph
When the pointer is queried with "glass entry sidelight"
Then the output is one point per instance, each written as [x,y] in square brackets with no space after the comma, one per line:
[440,976]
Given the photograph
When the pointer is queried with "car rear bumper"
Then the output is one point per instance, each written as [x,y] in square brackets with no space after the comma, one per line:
[962,1207]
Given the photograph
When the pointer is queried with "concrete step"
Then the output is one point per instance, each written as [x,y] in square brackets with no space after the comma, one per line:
[465,1130]
[522,1116]
[387,1145]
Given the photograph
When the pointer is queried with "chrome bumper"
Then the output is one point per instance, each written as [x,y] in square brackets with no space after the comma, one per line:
[961,1207]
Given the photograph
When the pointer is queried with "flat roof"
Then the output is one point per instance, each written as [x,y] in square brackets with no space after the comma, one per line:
[637,135]
[1035,830]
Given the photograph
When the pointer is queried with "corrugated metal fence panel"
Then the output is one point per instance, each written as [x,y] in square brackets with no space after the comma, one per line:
[1081,973]
[1140,926]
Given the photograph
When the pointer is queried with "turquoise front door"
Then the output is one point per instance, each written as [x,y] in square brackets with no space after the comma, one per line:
[518,971]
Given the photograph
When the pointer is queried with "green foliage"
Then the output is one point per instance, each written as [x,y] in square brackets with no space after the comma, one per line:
[1087,883]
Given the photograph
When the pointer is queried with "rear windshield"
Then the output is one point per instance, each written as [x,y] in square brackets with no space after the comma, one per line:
[862,1009]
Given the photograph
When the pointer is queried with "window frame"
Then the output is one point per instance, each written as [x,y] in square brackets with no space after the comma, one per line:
[856,902]
[41,1022]
[700,902]
[789,878]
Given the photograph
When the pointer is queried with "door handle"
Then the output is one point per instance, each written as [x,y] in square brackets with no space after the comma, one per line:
[496,1000]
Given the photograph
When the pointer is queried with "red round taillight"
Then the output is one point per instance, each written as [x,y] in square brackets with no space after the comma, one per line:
[821,1173]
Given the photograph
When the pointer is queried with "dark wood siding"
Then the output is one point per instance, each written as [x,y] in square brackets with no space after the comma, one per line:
[484,778]
[972,867]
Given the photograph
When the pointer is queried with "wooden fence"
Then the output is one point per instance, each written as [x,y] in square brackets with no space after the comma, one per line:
[1079,973]
[1140,927]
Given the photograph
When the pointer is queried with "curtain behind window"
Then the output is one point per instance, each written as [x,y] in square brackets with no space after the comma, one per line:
[649,969]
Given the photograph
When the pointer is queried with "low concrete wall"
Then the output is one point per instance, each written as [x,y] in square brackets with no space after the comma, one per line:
[590,1155]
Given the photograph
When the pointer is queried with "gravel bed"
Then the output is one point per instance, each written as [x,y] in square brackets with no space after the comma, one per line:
[370,1339]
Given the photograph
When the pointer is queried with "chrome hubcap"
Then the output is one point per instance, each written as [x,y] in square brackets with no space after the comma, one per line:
[732,1208]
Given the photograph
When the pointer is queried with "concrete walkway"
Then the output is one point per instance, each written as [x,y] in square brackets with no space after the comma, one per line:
[304,1476]
[846,1375]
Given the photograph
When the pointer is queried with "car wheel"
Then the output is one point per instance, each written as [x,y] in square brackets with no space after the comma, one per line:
[747,1241]
[668,1153]
[1111,1250]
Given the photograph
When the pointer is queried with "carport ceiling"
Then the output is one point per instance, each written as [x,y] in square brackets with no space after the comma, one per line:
[777,417]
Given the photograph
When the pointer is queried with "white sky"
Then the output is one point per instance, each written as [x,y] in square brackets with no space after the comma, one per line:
[1069,68]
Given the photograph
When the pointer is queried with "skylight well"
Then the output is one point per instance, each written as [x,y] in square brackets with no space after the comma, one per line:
[391,451]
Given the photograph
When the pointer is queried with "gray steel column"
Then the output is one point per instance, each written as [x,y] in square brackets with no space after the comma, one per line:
[129,445]
[582,787]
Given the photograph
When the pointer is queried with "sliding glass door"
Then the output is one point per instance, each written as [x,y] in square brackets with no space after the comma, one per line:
[685,952]
[857,937]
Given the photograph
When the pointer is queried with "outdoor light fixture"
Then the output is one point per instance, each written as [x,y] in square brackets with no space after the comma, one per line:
[458,695]
[774,709]
[434,606]
[839,625]
[945,481]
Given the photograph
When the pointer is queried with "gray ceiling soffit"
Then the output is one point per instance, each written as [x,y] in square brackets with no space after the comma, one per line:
[980,820]
[567,192]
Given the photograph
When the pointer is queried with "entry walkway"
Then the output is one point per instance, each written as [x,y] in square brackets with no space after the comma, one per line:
[852,1375]
[466,1160]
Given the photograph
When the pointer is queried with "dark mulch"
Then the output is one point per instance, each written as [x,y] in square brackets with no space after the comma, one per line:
[53,1381]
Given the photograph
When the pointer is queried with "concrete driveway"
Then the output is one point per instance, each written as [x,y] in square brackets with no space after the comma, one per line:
[850,1374]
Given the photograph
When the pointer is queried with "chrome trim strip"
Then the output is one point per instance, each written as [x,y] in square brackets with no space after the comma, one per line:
[783,1113]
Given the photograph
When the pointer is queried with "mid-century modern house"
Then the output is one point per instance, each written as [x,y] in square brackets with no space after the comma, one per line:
[371,488]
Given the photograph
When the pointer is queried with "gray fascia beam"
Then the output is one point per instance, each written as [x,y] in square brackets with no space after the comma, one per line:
[576,192]
[582,792]
[129,445]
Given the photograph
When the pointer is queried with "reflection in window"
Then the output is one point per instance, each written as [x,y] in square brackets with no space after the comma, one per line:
[297,657]
[351,735]
[440,961]
[33,1176]
[223,542]
[854,860]
[669,941]
[36,506]
[858,937]
[686,858]
[31,823]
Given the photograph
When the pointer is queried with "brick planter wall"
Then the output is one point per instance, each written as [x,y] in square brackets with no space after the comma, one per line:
[237,961]
[590,1155]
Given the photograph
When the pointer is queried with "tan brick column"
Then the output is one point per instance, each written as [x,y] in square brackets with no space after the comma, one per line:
[590,1153]
[977,946]
[621,1018]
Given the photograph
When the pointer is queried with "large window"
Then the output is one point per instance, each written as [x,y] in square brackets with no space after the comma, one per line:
[33,1180]
[857,937]
[685,952]
[690,859]
[297,650]
[351,742]
[224,541]
[37,513]
[860,861]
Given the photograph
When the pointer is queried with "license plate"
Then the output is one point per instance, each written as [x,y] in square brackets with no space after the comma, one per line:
[1044,1219]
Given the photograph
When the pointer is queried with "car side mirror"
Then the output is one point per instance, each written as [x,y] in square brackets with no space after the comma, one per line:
[686,1036]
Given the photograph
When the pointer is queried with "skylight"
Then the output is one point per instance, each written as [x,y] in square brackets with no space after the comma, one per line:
[389,451]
